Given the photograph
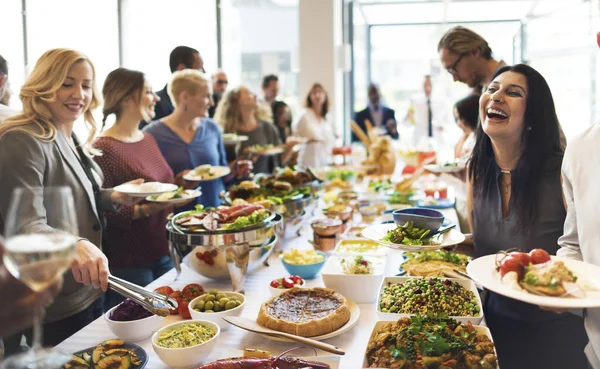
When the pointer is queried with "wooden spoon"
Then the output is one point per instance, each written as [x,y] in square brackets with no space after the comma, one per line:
[253,326]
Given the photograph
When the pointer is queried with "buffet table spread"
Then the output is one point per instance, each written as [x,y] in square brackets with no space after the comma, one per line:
[232,342]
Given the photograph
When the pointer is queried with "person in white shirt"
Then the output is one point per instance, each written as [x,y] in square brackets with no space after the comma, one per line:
[313,125]
[581,238]
[5,110]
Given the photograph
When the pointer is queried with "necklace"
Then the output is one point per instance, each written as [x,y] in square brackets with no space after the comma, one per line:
[505,185]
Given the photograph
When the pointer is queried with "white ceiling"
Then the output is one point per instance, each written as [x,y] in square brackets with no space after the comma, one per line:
[380,12]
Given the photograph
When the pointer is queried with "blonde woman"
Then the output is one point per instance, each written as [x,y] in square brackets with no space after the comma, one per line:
[313,124]
[135,240]
[239,113]
[187,138]
[38,149]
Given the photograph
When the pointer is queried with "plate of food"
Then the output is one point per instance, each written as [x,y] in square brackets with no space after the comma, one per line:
[175,197]
[405,296]
[396,344]
[438,263]
[145,189]
[206,172]
[223,219]
[233,139]
[324,314]
[265,150]
[433,203]
[539,279]
[250,357]
[110,354]
[407,237]
[451,166]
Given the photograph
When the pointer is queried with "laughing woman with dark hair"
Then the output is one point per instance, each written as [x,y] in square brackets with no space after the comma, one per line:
[515,200]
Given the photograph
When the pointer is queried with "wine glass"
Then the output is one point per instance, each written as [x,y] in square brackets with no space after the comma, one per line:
[40,229]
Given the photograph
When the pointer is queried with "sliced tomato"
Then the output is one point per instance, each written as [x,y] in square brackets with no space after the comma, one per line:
[177,296]
[409,169]
[165,290]
[192,290]
[183,308]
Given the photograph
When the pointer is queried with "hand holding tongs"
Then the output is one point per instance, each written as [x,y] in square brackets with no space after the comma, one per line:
[154,302]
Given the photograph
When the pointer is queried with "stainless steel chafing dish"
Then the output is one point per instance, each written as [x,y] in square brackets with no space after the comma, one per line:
[289,209]
[226,253]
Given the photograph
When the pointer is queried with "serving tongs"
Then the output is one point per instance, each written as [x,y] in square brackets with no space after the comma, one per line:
[154,302]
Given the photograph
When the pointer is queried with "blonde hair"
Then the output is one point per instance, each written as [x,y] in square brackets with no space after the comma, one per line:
[119,85]
[460,40]
[41,87]
[189,80]
[229,112]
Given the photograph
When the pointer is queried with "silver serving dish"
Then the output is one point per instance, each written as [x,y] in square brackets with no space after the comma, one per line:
[291,226]
[289,209]
[258,240]
[229,261]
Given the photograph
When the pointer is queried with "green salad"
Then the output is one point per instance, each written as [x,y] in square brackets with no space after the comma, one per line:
[400,198]
[343,174]
[257,217]
[438,255]
[408,235]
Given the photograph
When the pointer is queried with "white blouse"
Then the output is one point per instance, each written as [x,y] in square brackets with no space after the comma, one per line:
[320,130]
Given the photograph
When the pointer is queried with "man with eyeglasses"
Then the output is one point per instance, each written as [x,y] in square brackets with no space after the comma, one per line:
[220,83]
[468,58]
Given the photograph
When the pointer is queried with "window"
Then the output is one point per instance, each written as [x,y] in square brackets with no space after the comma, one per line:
[152,28]
[12,47]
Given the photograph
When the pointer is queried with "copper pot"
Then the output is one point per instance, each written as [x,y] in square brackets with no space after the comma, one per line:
[326,227]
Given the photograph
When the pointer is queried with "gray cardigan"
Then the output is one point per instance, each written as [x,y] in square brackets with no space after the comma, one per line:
[28,162]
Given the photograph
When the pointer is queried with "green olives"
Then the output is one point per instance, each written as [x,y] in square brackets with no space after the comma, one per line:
[214,302]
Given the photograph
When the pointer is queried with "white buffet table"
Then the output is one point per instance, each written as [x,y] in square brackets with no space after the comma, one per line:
[231,342]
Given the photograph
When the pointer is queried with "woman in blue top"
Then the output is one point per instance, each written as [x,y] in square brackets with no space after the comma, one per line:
[514,199]
[187,139]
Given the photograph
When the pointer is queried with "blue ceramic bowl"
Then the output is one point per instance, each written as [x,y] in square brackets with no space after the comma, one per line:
[306,271]
[422,218]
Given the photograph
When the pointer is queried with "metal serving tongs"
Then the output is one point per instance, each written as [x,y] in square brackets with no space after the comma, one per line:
[154,302]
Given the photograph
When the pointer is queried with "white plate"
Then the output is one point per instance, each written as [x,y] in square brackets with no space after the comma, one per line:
[234,140]
[434,168]
[466,283]
[378,231]
[269,152]
[218,172]
[479,329]
[483,271]
[354,315]
[185,196]
[134,190]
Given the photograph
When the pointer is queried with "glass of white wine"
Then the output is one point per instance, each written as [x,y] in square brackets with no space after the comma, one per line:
[40,229]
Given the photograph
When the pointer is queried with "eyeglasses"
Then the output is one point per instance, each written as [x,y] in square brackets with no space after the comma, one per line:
[452,68]
[222,81]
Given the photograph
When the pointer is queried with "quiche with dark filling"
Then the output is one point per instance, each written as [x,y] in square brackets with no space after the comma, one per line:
[305,312]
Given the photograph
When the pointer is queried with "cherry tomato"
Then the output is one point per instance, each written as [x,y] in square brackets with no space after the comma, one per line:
[165,290]
[274,283]
[288,282]
[192,291]
[409,169]
[524,257]
[511,264]
[177,296]
[539,256]
[183,307]
[297,279]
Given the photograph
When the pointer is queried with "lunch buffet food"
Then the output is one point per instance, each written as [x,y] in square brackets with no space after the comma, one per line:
[184,335]
[235,217]
[109,354]
[434,263]
[409,235]
[215,301]
[430,342]
[305,312]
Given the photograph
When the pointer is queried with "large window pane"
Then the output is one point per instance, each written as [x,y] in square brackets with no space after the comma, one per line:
[12,47]
[260,38]
[152,28]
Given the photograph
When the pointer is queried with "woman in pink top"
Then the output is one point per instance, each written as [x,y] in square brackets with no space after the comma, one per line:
[135,238]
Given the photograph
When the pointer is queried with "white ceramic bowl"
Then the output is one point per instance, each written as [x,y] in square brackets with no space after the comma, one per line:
[187,357]
[135,330]
[218,316]
[279,291]
[360,288]
[466,283]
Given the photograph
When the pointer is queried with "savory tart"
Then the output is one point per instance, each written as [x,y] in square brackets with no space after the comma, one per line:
[305,312]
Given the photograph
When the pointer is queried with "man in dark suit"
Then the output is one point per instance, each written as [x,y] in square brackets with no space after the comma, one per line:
[378,114]
[220,82]
[182,57]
